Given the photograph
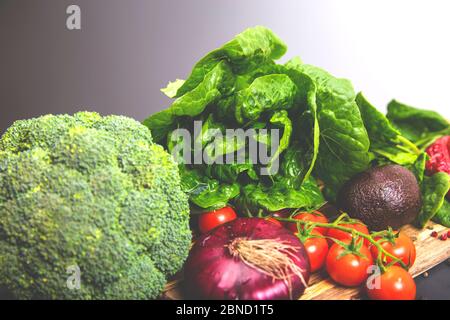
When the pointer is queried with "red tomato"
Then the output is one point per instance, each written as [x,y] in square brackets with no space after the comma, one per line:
[403,248]
[317,249]
[315,216]
[209,220]
[350,269]
[395,284]
[342,235]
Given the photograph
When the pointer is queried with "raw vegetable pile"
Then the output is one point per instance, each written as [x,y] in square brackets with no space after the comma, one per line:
[98,195]
[329,133]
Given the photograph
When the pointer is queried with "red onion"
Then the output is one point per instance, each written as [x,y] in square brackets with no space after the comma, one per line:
[247,259]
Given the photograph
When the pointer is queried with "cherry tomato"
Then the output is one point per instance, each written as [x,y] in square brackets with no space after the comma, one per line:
[402,248]
[315,216]
[317,249]
[342,235]
[209,220]
[349,269]
[394,284]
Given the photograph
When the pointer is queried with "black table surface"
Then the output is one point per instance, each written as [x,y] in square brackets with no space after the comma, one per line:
[435,284]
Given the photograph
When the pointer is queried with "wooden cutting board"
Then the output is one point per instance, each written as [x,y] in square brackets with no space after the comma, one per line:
[430,252]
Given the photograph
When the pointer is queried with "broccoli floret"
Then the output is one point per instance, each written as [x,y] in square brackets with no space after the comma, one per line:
[88,200]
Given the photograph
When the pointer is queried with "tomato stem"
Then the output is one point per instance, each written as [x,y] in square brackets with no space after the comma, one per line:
[335,225]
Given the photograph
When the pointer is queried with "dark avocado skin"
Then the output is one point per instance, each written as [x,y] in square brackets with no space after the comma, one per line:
[382,197]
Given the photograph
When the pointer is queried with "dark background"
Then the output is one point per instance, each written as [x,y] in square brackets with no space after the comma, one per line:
[127,50]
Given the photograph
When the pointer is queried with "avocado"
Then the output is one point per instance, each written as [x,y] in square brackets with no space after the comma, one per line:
[382,197]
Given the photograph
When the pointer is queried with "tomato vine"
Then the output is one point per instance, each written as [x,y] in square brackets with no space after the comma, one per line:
[344,218]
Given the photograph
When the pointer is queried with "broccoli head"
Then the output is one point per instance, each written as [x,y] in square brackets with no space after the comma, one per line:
[90,208]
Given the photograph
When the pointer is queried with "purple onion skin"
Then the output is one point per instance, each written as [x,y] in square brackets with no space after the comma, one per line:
[212,273]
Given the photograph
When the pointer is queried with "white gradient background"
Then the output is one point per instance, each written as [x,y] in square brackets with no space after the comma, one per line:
[127,50]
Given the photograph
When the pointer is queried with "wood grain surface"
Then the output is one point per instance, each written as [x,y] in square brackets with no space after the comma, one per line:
[430,252]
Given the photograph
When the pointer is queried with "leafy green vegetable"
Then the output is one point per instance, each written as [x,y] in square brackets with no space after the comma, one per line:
[308,129]
[434,190]
[280,195]
[281,118]
[247,51]
[443,215]
[239,86]
[344,143]
[418,168]
[205,192]
[231,172]
[385,140]
[271,92]
[192,103]
[172,88]
[419,126]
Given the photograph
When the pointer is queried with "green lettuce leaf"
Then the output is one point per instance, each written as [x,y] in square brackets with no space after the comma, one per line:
[443,215]
[281,119]
[192,103]
[247,51]
[344,142]
[271,92]
[385,140]
[172,87]
[244,80]
[307,132]
[418,168]
[434,190]
[420,126]
[279,196]
[204,192]
[231,172]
